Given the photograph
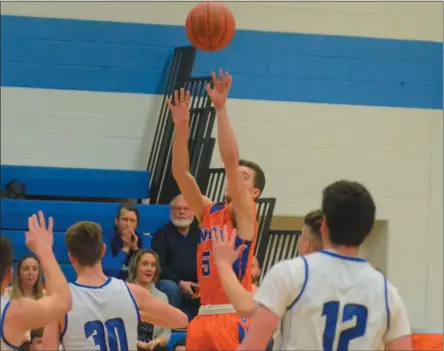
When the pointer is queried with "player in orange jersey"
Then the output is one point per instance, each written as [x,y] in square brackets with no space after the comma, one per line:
[218,326]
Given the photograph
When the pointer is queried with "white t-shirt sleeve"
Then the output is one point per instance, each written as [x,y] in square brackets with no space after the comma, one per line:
[281,285]
[399,321]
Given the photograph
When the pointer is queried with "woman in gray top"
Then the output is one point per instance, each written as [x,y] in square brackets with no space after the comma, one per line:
[144,270]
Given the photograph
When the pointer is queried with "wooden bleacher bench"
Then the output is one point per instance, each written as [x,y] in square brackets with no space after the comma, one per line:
[95,184]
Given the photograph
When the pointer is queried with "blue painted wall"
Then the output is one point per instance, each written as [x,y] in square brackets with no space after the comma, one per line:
[134,58]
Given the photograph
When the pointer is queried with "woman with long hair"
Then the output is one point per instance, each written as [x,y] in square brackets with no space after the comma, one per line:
[27,281]
[144,270]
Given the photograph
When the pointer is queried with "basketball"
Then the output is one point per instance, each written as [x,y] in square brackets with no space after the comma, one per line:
[210,26]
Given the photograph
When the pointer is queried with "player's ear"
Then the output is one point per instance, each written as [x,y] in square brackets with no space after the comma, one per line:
[103,249]
[324,228]
[255,193]
[9,275]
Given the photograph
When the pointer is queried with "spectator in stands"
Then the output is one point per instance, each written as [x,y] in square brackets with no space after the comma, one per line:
[180,345]
[123,243]
[255,273]
[27,281]
[176,244]
[144,270]
[35,343]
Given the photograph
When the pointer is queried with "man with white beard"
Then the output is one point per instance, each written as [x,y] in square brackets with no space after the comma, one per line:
[176,244]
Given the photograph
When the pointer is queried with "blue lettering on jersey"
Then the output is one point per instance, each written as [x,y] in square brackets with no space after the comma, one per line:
[205,234]
[108,336]
[350,311]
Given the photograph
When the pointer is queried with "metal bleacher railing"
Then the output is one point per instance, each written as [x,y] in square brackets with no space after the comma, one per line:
[202,117]
[282,244]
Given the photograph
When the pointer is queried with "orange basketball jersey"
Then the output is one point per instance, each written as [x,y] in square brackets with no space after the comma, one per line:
[210,287]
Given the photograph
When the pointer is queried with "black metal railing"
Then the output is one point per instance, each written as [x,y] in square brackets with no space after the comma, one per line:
[180,72]
[215,184]
[265,209]
[282,244]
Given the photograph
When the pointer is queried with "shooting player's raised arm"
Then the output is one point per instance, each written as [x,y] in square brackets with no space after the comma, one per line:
[181,160]
[242,200]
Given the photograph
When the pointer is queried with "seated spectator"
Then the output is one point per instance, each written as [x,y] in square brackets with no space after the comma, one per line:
[176,244]
[27,282]
[35,343]
[255,273]
[144,270]
[180,345]
[123,243]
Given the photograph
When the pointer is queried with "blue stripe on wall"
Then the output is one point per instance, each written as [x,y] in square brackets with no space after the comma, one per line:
[134,58]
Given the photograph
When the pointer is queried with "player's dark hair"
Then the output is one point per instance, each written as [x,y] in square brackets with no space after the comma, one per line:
[130,208]
[37,333]
[313,220]
[181,342]
[259,175]
[84,242]
[6,256]
[349,212]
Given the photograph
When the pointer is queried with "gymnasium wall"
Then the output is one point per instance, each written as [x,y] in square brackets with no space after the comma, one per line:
[321,91]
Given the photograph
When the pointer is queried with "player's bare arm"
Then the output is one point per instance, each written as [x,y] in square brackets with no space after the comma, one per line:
[398,336]
[180,111]
[243,204]
[51,335]
[277,292]
[157,312]
[39,239]
[225,255]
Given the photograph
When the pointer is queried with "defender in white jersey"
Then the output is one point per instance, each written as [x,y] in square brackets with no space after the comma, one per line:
[21,315]
[106,311]
[332,300]
[225,254]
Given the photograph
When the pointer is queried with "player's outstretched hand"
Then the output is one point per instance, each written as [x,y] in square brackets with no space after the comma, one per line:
[180,109]
[221,87]
[224,250]
[39,237]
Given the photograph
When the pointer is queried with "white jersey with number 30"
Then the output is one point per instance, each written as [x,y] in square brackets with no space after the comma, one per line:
[332,302]
[102,318]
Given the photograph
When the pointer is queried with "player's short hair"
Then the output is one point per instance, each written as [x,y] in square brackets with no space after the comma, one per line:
[127,207]
[349,212]
[313,221]
[84,242]
[6,256]
[259,177]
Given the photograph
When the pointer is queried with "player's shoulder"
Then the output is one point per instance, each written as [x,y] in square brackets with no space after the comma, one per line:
[289,267]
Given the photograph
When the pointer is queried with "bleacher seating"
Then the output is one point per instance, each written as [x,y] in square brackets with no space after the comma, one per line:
[71,182]
[79,182]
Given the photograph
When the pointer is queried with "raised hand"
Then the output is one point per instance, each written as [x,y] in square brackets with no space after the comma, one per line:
[221,86]
[39,238]
[181,107]
[224,251]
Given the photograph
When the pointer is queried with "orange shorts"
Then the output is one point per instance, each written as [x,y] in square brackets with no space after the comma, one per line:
[219,332]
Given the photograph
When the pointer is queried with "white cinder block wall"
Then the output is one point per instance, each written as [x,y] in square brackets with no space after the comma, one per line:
[341,116]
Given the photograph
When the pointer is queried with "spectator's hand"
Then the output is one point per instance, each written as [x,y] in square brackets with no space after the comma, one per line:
[224,252]
[126,238]
[38,237]
[152,344]
[186,287]
[134,242]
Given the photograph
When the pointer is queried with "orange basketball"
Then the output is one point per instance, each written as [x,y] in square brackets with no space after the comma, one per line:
[210,26]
